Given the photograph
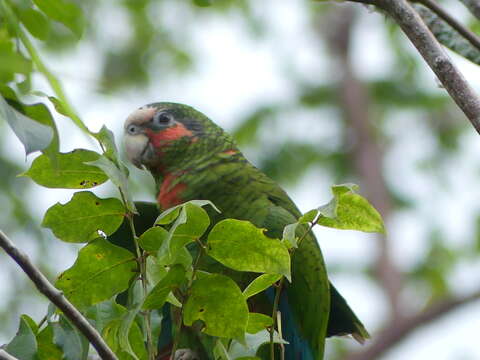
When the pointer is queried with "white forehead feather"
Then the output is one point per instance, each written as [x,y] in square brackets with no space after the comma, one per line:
[139,116]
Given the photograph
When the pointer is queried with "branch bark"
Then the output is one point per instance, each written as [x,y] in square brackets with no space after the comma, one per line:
[450,20]
[6,356]
[395,333]
[57,297]
[421,37]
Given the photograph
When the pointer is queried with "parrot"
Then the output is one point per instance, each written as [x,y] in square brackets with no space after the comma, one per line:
[190,157]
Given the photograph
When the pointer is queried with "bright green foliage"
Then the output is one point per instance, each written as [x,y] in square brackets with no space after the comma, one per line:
[35,22]
[117,172]
[258,322]
[66,12]
[219,303]
[243,247]
[260,283]
[70,170]
[66,336]
[112,335]
[153,238]
[100,271]
[350,211]
[24,344]
[190,223]
[158,295]
[47,350]
[81,219]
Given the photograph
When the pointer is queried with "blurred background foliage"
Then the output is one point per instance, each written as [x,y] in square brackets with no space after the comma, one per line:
[353,102]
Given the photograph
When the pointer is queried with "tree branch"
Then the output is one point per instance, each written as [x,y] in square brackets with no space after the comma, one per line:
[421,37]
[450,20]
[473,6]
[6,356]
[398,331]
[57,297]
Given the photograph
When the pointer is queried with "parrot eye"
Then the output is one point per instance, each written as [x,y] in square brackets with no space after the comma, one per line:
[132,129]
[162,118]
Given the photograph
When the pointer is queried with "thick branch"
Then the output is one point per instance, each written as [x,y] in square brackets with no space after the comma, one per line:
[450,20]
[56,297]
[473,6]
[419,34]
[398,331]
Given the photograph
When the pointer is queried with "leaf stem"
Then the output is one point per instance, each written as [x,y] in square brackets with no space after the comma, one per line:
[274,316]
[190,282]
[143,277]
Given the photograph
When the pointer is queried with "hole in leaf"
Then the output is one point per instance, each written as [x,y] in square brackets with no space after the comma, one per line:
[201,310]
[83,183]
[97,203]
[94,183]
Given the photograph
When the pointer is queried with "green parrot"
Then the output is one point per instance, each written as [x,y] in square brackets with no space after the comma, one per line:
[190,157]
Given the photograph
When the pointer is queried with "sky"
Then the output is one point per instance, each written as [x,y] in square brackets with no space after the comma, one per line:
[220,88]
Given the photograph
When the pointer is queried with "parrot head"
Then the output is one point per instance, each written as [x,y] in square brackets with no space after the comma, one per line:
[161,135]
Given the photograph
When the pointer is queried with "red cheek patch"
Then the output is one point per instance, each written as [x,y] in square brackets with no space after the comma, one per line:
[170,134]
[169,195]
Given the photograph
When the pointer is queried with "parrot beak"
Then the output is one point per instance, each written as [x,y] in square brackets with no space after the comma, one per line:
[136,146]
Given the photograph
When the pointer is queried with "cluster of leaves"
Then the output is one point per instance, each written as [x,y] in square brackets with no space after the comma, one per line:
[116,287]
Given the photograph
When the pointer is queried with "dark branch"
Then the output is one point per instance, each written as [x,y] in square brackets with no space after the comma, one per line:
[399,330]
[56,297]
[421,37]
[462,30]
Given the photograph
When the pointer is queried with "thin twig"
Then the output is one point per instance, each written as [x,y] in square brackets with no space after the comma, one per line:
[399,330]
[450,20]
[421,37]
[57,298]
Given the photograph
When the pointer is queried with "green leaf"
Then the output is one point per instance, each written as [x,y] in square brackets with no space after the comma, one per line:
[69,172]
[289,236]
[190,225]
[252,343]
[119,176]
[127,328]
[111,334]
[70,340]
[107,139]
[101,271]
[104,312]
[24,344]
[352,212]
[13,62]
[33,135]
[81,219]
[260,283]
[68,13]
[153,238]
[169,215]
[220,352]
[241,246]
[158,295]
[258,322]
[47,350]
[218,302]
[35,22]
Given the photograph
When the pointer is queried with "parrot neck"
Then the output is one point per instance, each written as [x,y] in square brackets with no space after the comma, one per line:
[191,153]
